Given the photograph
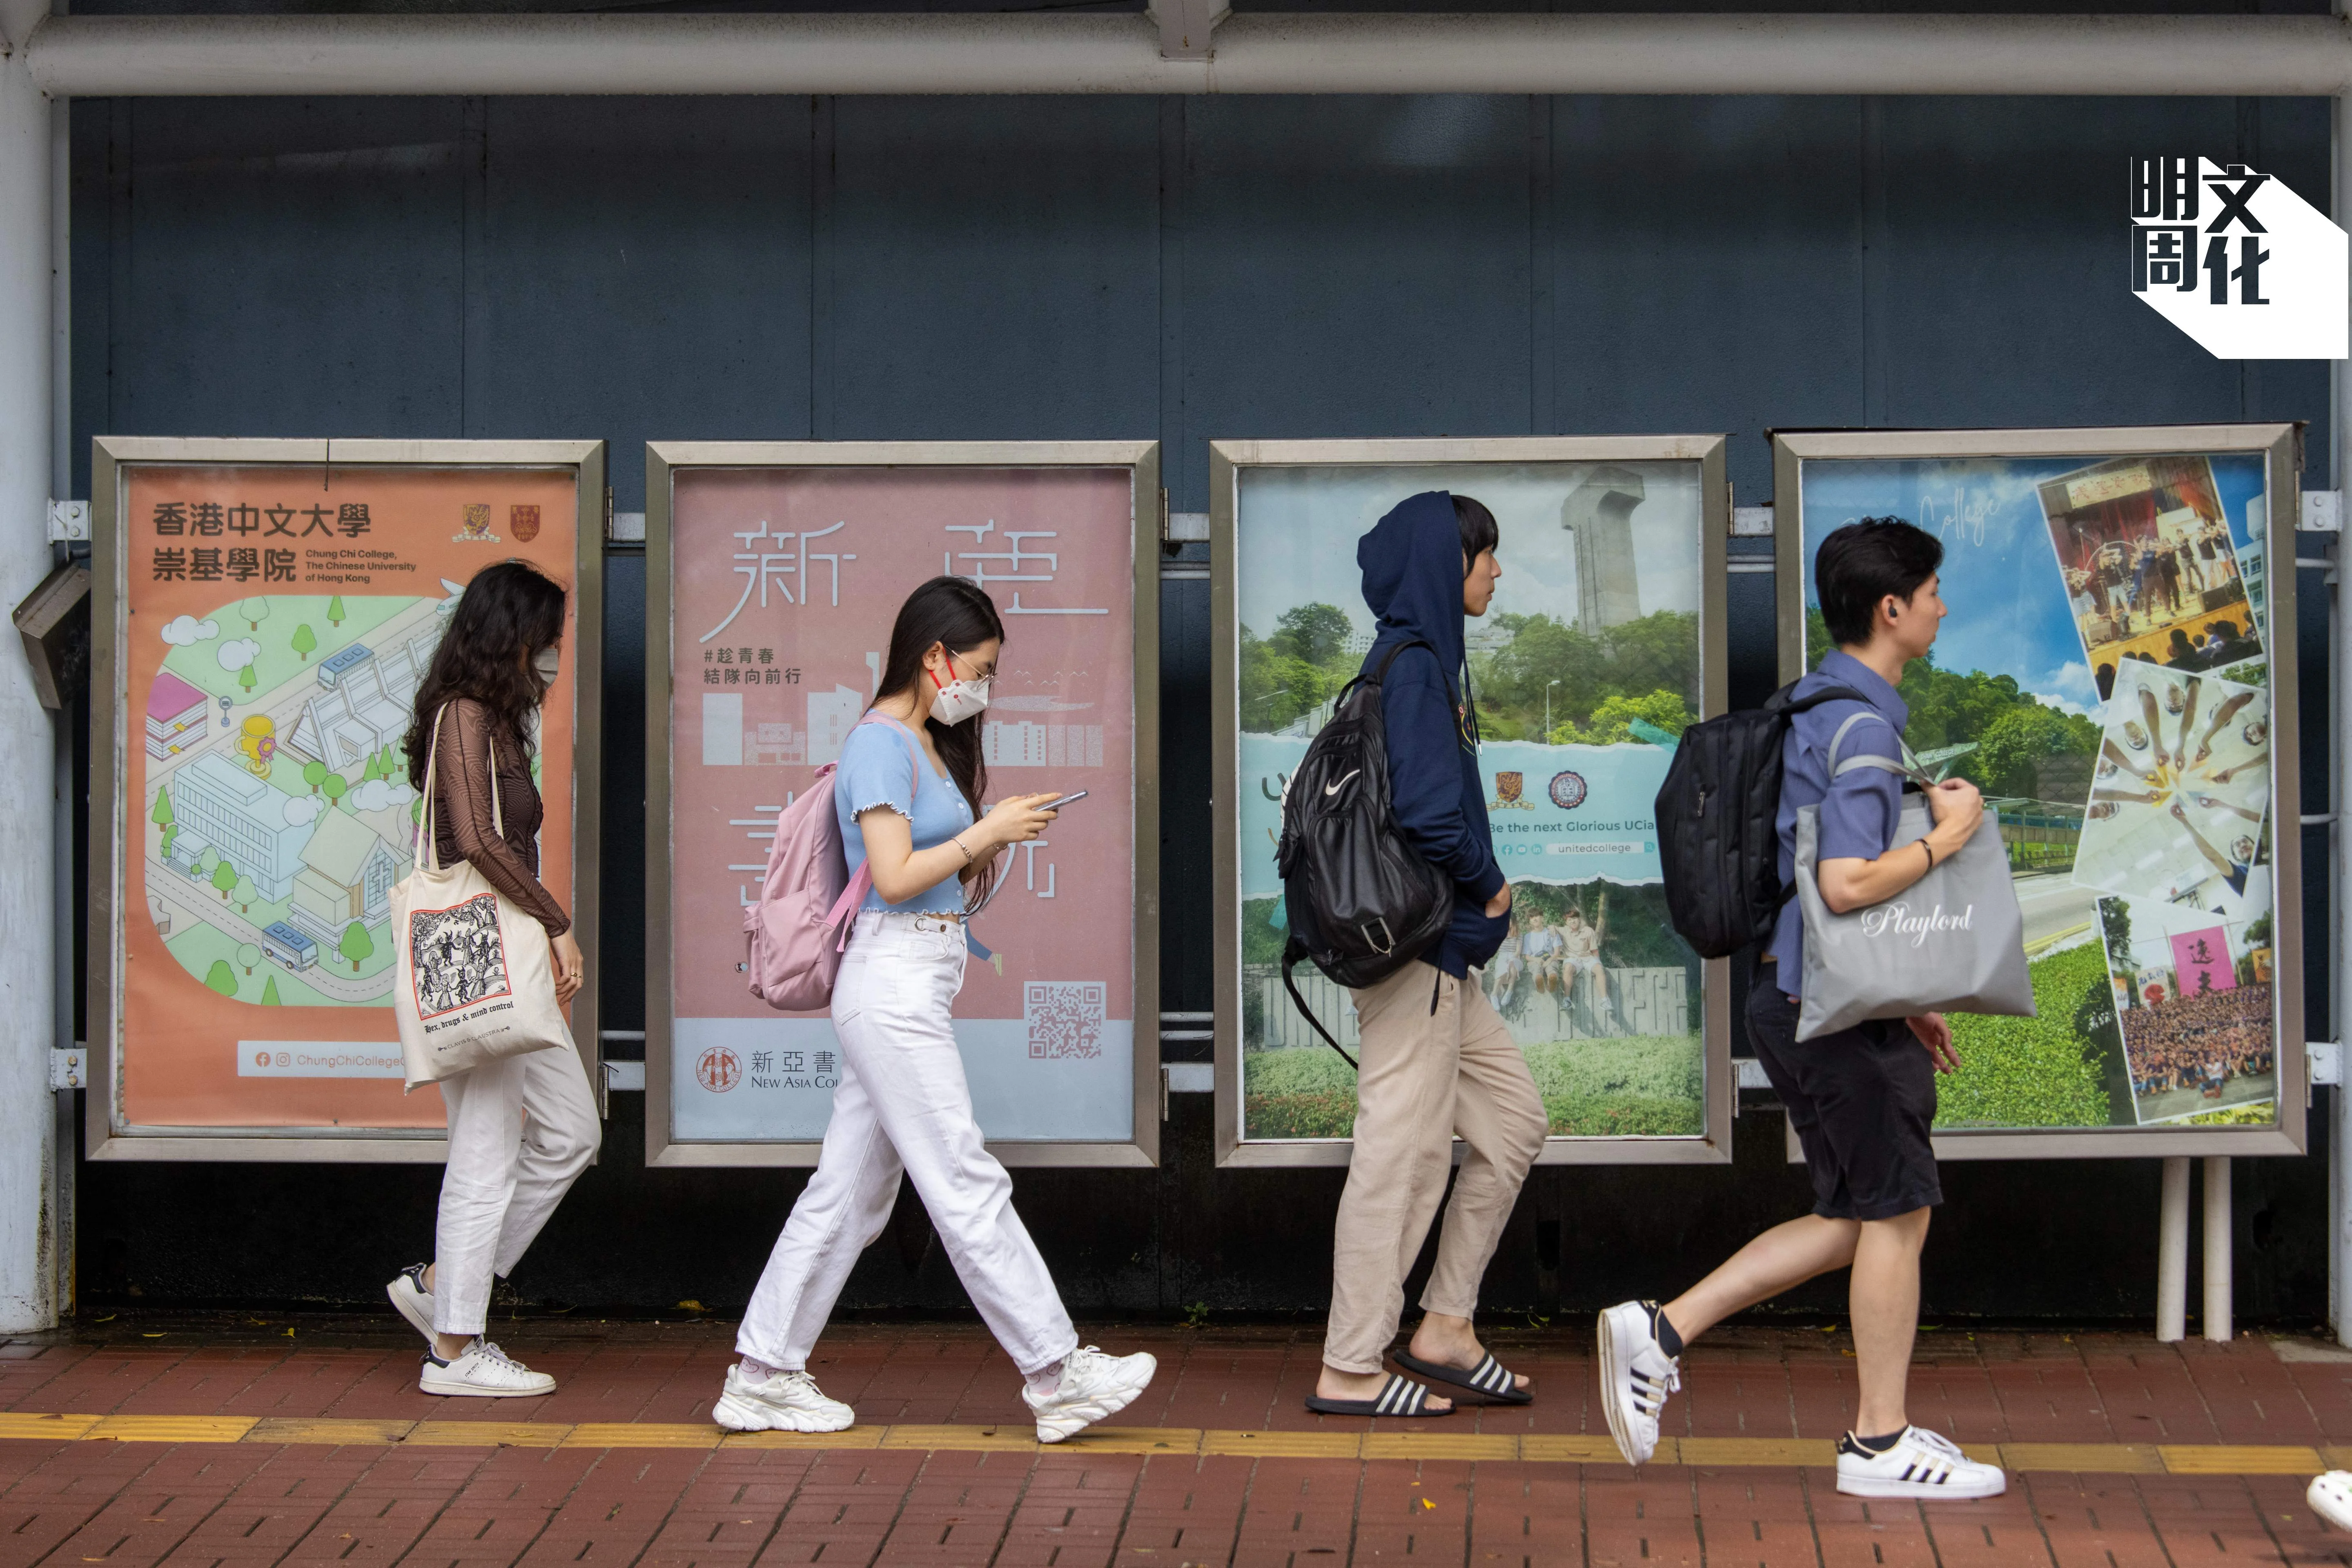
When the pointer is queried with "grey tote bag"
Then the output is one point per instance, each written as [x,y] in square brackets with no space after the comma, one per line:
[1952,942]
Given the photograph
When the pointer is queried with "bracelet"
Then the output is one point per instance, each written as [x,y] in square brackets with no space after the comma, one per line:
[958,842]
[1931,848]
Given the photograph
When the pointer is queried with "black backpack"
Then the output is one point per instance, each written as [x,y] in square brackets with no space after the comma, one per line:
[1718,835]
[1361,901]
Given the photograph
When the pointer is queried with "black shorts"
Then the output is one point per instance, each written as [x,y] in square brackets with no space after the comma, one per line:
[1861,1101]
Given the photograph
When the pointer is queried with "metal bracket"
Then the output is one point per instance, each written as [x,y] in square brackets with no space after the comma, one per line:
[2321,512]
[625,1078]
[70,1068]
[1185,27]
[68,522]
[1751,522]
[1751,1073]
[1187,528]
[626,528]
[2326,1058]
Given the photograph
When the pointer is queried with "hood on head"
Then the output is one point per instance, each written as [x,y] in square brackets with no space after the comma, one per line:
[1412,561]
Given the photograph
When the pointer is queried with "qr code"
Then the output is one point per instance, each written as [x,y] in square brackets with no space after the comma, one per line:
[1065,1017]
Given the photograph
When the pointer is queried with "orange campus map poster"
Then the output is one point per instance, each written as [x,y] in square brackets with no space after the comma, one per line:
[276,623]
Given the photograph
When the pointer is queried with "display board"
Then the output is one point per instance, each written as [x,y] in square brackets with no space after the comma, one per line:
[2117,672]
[264,610]
[1605,641]
[774,574]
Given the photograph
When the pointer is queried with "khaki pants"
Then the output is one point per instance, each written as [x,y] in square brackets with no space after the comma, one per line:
[1422,1079]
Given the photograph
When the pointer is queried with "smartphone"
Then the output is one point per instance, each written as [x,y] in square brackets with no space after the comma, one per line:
[1057,805]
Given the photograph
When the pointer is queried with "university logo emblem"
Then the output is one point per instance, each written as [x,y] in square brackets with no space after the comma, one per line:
[1509,792]
[719,1069]
[1567,791]
[523,522]
[476,529]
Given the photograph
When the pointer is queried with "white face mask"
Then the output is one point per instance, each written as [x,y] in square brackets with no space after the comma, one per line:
[958,699]
[546,661]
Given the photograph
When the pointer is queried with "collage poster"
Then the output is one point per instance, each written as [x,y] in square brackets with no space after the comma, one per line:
[278,621]
[786,582]
[2103,676]
[1585,672]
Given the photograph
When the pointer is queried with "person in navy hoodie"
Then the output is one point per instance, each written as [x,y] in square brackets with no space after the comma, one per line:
[1435,1060]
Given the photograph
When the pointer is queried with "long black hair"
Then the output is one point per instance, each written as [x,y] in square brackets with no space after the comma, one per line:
[957,615]
[508,614]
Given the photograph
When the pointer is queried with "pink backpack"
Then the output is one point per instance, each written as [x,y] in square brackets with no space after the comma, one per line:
[806,896]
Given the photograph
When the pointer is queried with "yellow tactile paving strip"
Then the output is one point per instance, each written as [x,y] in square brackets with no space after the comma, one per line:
[1704,1453]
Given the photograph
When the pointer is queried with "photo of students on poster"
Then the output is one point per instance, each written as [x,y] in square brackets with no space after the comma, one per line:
[2102,680]
[1584,673]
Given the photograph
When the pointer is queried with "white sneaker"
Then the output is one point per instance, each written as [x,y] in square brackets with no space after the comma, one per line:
[412,1299]
[788,1401]
[2331,1497]
[1636,1375]
[1094,1387]
[485,1372]
[1921,1464]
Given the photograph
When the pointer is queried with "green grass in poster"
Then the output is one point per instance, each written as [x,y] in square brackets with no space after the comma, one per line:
[1643,1086]
[2032,1072]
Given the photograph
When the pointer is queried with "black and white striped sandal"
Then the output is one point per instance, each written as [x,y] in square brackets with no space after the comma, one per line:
[1398,1396]
[1490,1379]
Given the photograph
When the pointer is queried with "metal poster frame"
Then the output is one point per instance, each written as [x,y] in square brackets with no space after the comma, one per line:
[1227,460]
[110,456]
[2282,446]
[665,458]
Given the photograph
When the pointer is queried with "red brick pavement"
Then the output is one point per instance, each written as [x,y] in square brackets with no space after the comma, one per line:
[259,1505]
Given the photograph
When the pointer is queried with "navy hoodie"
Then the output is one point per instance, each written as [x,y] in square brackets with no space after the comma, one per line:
[1412,561]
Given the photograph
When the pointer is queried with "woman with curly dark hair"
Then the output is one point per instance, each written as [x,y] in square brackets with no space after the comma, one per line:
[523,1127]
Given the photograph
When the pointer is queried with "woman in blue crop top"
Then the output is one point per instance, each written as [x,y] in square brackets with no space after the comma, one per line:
[907,794]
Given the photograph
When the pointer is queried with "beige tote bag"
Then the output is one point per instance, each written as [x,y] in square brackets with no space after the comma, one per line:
[473,975]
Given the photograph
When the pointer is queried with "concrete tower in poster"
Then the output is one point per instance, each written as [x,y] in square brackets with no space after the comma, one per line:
[1600,512]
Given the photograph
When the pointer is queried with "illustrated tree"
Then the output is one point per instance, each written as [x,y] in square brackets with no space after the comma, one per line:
[357,945]
[225,880]
[247,679]
[248,955]
[306,641]
[370,774]
[334,787]
[221,978]
[161,817]
[335,610]
[208,862]
[314,772]
[246,893]
[270,994]
[255,611]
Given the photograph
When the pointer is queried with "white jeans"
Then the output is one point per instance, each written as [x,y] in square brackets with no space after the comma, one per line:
[903,1105]
[520,1129]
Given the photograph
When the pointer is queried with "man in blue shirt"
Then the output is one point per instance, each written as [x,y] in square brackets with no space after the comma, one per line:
[1861,1100]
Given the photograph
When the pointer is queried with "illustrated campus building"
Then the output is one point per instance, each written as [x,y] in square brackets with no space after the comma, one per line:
[219,805]
[365,702]
[347,875]
[175,715]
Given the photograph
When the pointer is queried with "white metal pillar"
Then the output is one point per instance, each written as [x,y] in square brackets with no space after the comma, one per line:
[2220,1250]
[2172,1251]
[27,736]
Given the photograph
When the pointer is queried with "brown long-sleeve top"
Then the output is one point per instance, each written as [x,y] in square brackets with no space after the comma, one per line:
[464,825]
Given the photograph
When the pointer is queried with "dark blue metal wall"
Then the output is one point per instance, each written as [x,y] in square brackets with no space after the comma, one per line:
[1075,268]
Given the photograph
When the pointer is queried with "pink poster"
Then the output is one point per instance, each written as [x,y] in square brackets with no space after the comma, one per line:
[2200,962]
[786,582]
